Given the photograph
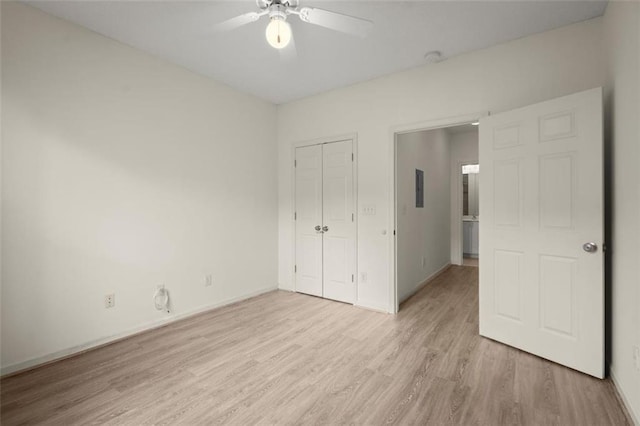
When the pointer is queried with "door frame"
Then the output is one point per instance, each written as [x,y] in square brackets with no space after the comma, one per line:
[394,131]
[353,137]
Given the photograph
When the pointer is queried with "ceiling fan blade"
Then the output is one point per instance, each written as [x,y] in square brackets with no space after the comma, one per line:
[336,21]
[238,21]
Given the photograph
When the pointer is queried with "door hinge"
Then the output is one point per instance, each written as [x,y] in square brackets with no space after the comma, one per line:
[394,232]
[295,163]
[353,217]
[295,268]
[352,156]
[351,277]
[295,215]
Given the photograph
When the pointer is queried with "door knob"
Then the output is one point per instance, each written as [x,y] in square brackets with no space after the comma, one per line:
[590,247]
[318,228]
[325,228]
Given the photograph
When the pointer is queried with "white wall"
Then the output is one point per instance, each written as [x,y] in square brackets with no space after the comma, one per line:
[121,172]
[464,150]
[622,31]
[422,232]
[503,77]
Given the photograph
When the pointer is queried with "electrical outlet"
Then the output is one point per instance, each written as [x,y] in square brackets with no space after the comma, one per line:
[636,357]
[208,280]
[363,277]
[109,301]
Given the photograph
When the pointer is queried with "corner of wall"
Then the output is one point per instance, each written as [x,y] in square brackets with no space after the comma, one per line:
[621,37]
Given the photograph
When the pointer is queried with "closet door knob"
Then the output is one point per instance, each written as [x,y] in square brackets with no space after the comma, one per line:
[325,228]
[318,228]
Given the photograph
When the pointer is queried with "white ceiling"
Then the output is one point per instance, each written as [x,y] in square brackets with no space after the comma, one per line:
[180,32]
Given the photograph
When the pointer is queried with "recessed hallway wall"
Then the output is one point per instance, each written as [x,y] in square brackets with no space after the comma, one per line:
[422,232]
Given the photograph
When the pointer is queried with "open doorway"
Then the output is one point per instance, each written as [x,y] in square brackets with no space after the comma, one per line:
[470,214]
[465,214]
[435,204]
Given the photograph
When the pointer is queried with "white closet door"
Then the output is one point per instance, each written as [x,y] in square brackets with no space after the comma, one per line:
[339,224]
[308,212]
[541,230]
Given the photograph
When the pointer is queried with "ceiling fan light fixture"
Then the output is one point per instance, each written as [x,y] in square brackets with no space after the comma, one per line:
[278,32]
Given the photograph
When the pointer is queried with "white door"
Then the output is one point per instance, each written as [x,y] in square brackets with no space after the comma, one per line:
[338,222]
[308,216]
[541,201]
[325,221]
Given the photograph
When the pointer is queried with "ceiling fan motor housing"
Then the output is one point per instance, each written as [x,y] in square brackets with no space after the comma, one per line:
[268,4]
[277,12]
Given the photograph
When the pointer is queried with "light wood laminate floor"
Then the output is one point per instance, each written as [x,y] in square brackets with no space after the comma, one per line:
[286,358]
[470,261]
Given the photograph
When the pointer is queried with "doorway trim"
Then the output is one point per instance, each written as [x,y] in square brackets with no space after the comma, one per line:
[353,137]
[394,131]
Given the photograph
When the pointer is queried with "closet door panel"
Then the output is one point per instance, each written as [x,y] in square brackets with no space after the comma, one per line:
[339,222]
[308,215]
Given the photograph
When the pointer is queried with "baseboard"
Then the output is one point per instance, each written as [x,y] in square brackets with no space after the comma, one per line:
[421,284]
[285,288]
[635,419]
[22,366]
[371,306]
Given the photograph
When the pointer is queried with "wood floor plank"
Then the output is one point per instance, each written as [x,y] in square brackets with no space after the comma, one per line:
[286,358]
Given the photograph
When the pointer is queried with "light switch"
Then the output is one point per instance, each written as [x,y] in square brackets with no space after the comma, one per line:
[369,210]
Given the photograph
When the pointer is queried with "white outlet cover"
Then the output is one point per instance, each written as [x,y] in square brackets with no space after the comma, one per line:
[109,300]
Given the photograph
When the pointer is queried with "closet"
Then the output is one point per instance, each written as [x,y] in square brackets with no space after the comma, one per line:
[325,221]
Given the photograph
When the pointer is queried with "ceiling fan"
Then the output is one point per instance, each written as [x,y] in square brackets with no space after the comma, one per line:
[278,31]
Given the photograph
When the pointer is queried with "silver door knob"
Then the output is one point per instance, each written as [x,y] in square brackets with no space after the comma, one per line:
[325,228]
[590,247]
[318,228]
